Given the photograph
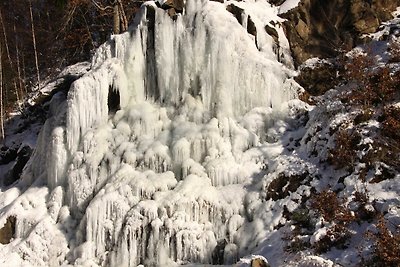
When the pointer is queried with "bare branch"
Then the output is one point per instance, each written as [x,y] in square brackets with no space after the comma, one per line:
[102,8]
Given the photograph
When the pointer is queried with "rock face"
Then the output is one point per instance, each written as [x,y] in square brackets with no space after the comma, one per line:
[318,79]
[173,7]
[20,156]
[8,230]
[320,28]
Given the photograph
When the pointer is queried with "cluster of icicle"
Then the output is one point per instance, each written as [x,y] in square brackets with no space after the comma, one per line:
[172,175]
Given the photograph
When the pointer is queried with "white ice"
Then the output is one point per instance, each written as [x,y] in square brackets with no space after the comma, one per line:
[176,168]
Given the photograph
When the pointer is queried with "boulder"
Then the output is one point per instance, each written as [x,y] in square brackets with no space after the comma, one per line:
[8,230]
[259,262]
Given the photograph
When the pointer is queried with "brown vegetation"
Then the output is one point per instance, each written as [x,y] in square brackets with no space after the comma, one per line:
[344,154]
[333,210]
[386,246]
[372,86]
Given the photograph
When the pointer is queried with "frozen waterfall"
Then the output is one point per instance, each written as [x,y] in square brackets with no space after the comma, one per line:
[172,175]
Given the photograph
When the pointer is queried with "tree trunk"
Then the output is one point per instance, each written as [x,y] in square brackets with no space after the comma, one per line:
[1,98]
[34,45]
[122,15]
[5,40]
[20,82]
[117,21]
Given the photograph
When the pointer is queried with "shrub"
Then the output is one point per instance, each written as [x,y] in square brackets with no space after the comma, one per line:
[358,68]
[297,244]
[394,51]
[371,85]
[336,236]
[386,246]
[333,210]
[344,154]
[391,123]
[364,211]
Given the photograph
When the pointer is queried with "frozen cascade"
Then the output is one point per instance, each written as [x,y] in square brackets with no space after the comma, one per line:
[165,178]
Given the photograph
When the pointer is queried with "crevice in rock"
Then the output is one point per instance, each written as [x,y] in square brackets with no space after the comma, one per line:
[113,100]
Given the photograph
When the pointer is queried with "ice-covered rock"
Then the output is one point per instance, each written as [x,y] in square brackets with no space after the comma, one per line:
[170,167]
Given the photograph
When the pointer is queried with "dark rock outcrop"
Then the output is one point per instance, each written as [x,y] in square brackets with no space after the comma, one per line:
[8,230]
[8,154]
[23,155]
[318,79]
[178,5]
[283,185]
[319,28]
[277,2]
[173,7]
[237,13]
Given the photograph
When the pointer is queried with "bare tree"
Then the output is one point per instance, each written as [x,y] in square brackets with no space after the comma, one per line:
[5,39]
[20,81]
[34,45]
[1,97]
[120,22]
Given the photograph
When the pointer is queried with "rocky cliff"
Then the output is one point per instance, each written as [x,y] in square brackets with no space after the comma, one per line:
[319,28]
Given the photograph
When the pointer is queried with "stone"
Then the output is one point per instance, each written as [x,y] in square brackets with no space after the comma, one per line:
[236,12]
[14,174]
[178,5]
[8,230]
[259,262]
[172,13]
[218,253]
[273,33]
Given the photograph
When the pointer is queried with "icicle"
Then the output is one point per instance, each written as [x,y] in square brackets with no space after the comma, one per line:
[168,171]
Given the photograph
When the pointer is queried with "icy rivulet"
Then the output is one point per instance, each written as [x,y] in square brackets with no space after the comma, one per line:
[174,175]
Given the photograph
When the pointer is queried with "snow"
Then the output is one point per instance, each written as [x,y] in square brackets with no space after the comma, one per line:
[170,169]
[288,5]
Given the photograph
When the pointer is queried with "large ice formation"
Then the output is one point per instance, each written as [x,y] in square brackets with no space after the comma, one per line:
[170,172]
